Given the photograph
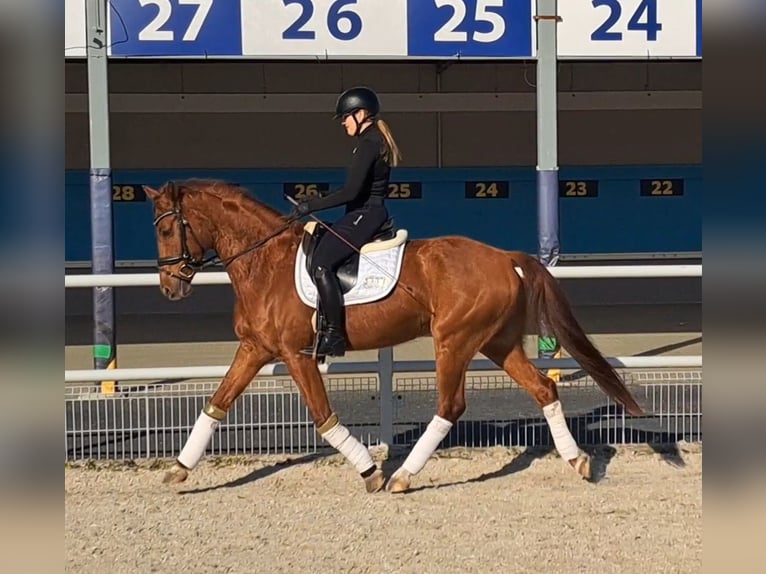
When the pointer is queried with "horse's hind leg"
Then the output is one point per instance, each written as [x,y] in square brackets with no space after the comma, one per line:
[452,360]
[514,361]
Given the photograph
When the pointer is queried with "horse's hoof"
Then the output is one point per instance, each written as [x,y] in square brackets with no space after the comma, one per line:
[375,481]
[175,475]
[582,466]
[399,482]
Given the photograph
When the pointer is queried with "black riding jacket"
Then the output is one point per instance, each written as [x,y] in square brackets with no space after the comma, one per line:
[367,177]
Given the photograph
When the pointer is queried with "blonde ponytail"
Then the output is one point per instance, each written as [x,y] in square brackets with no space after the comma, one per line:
[393,156]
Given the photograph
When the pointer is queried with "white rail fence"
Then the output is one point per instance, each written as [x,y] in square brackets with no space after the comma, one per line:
[385,367]
[220,278]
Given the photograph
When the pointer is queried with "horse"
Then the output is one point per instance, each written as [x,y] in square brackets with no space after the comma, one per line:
[469,296]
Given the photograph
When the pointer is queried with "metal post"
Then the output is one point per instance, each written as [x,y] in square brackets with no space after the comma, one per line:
[102,240]
[547,157]
[386,378]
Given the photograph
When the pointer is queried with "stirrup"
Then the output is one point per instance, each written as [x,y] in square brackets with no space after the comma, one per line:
[330,343]
[312,351]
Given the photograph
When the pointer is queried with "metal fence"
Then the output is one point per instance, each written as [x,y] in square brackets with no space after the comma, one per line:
[393,403]
[271,418]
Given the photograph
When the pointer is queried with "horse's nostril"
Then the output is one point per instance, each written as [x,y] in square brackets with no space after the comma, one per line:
[166,291]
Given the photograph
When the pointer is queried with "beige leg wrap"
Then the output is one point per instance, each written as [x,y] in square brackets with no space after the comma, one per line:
[215,412]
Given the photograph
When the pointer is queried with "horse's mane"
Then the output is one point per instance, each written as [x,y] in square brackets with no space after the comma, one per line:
[219,189]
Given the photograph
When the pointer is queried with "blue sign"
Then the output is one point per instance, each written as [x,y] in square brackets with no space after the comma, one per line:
[470,28]
[391,29]
[494,205]
[175,28]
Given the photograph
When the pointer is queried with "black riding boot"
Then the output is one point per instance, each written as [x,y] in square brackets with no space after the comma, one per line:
[332,340]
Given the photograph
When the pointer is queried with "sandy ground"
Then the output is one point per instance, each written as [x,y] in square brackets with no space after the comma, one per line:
[492,510]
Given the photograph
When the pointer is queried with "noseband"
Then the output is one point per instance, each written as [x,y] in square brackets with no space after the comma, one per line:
[190,264]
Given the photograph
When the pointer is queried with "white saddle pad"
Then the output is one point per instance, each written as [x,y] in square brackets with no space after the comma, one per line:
[377,277]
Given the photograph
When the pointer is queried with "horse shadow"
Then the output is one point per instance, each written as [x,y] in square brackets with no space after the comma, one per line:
[258,474]
[587,428]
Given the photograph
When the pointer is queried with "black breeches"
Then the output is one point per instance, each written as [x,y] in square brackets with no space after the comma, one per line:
[357,227]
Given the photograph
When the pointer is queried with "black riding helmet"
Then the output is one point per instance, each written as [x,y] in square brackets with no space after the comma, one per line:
[355,99]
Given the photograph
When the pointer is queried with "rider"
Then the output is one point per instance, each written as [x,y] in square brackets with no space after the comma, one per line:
[363,195]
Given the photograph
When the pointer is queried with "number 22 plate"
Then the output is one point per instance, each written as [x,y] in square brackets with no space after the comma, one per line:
[311,27]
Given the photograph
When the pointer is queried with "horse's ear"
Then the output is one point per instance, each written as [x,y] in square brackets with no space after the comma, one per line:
[151,193]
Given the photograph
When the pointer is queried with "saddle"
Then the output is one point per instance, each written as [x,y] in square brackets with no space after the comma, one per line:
[386,237]
[362,279]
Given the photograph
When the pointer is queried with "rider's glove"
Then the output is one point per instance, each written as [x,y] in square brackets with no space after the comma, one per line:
[303,208]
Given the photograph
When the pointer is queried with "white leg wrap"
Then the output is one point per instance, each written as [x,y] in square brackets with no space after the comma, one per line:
[436,430]
[198,440]
[357,454]
[562,438]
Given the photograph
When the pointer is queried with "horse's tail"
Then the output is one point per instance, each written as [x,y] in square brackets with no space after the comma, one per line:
[548,300]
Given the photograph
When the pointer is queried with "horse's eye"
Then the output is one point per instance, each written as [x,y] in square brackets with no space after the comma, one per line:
[166,233]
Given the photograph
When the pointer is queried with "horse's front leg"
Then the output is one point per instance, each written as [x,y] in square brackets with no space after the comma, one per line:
[248,360]
[304,371]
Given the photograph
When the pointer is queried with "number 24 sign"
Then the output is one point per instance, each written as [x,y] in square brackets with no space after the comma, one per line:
[629,28]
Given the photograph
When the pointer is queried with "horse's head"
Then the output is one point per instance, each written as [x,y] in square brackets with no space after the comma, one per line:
[179,249]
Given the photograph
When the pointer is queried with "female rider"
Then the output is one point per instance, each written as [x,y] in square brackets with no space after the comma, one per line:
[363,195]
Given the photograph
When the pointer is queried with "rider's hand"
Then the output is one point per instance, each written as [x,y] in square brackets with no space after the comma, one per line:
[301,209]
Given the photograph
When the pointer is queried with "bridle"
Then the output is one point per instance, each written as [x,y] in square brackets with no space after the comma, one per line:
[191,264]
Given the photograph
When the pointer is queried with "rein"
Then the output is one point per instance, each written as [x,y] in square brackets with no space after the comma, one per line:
[215,259]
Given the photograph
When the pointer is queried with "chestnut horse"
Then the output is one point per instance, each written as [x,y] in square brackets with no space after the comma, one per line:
[470,297]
